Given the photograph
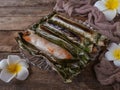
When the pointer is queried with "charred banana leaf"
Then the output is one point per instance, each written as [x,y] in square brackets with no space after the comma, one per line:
[67,45]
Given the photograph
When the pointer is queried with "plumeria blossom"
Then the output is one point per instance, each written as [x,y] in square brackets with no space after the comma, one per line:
[12,67]
[110,8]
[113,54]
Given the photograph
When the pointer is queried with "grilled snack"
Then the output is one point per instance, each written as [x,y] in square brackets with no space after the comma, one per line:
[67,45]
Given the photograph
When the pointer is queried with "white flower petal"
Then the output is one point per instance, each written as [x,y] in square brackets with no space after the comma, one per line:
[24,64]
[117,62]
[3,63]
[118,10]
[23,74]
[110,14]
[13,59]
[109,56]
[113,46]
[104,1]
[6,76]
[100,5]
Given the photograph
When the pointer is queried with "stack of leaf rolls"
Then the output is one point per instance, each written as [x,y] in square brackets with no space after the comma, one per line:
[68,45]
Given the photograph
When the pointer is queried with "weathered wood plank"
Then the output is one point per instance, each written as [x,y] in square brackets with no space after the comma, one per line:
[7,41]
[7,3]
[41,10]
[19,18]
[17,23]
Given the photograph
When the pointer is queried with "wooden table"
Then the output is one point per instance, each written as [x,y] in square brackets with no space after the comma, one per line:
[17,15]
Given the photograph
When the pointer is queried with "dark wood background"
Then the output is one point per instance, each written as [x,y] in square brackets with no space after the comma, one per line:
[17,15]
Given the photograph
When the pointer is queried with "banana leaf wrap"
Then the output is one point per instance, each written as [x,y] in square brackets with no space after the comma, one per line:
[66,68]
[81,42]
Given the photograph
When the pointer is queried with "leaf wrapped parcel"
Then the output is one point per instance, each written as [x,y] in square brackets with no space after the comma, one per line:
[67,45]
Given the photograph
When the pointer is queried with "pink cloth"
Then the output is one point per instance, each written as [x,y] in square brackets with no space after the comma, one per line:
[107,73]
[95,17]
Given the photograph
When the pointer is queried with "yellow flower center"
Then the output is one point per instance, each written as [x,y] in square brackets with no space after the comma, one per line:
[116,54]
[112,4]
[14,68]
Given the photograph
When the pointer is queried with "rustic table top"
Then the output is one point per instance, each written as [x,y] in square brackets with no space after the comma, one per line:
[17,15]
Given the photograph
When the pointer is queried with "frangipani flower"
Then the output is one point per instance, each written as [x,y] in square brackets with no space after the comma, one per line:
[113,54]
[13,67]
[110,8]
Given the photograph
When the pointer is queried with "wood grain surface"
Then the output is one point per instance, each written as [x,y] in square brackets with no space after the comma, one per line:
[17,15]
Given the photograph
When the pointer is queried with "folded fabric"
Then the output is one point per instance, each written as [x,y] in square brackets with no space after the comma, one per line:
[107,73]
[94,17]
